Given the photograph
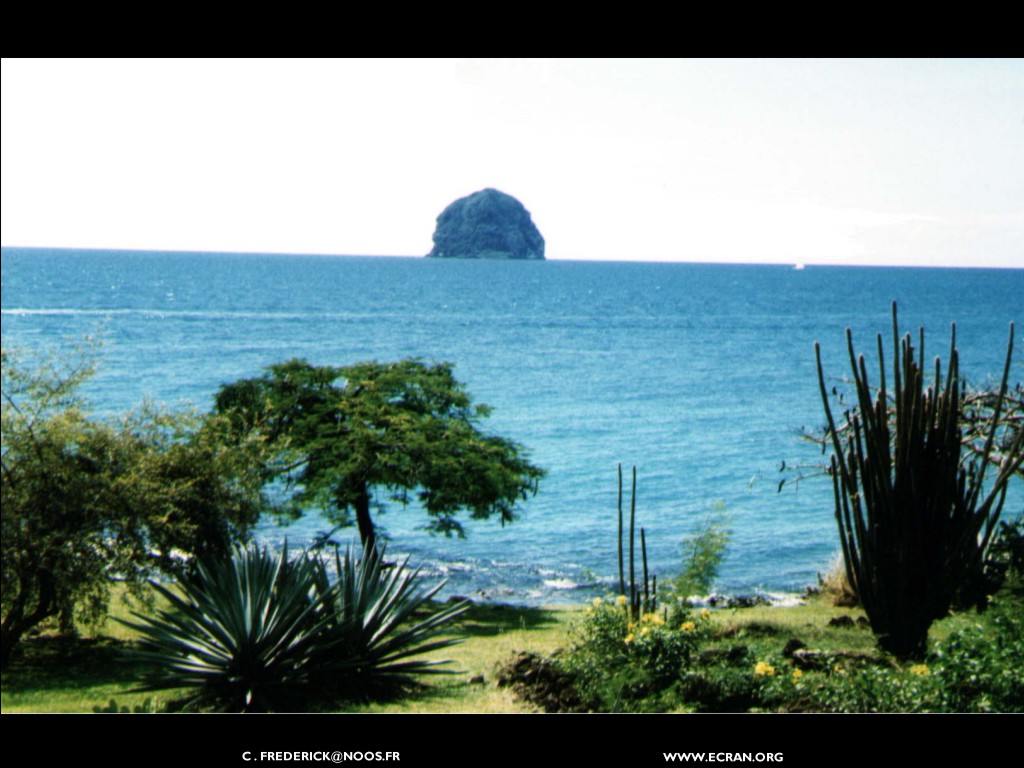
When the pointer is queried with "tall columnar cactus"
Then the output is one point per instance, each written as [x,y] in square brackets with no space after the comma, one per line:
[915,514]
[641,598]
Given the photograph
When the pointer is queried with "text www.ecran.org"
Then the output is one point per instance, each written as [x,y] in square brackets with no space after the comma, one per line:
[723,757]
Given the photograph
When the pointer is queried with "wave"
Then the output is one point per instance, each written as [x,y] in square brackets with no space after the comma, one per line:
[190,314]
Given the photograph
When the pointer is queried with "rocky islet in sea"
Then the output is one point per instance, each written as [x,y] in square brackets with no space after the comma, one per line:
[488,224]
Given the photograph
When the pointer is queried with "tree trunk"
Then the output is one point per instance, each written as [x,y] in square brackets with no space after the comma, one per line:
[66,624]
[16,623]
[367,533]
[10,634]
[907,640]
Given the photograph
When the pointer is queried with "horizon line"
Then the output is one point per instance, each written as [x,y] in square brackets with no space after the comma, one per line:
[792,264]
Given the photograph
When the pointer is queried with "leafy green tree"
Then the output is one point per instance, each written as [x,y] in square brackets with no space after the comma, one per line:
[336,434]
[86,500]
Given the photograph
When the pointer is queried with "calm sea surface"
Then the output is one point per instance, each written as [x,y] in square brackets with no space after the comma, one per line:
[701,375]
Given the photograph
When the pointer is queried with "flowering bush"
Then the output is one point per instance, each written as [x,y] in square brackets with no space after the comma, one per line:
[623,665]
[977,669]
[859,687]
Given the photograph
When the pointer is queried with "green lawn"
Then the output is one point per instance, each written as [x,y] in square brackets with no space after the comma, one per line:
[57,674]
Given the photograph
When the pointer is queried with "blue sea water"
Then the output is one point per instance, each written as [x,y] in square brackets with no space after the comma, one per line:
[701,375]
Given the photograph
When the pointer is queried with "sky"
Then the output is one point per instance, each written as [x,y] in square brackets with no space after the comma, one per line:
[901,162]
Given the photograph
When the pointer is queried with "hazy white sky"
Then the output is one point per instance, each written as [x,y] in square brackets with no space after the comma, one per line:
[868,162]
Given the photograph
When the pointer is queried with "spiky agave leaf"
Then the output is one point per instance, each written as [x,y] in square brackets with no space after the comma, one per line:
[246,631]
[375,605]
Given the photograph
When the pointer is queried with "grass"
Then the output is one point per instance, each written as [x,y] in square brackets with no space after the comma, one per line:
[56,674]
[68,674]
[491,634]
[766,629]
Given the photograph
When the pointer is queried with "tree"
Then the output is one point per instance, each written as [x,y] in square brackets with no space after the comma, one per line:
[336,434]
[87,501]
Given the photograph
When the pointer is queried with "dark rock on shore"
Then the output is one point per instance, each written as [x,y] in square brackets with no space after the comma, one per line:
[487,225]
[793,645]
[736,601]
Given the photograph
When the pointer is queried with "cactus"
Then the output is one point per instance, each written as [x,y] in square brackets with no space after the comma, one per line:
[643,599]
[622,577]
[915,522]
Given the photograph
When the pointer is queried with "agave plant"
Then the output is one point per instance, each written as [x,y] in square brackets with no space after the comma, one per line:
[262,632]
[374,606]
[246,632]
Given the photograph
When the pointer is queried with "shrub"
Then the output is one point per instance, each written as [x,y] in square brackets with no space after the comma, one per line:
[629,654]
[622,665]
[976,669]
[724,686]
[981,668]
[703,552]
[87,501]
[1006,562]
[866,687]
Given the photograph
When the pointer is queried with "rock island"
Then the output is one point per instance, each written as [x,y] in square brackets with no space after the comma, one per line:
[487,225]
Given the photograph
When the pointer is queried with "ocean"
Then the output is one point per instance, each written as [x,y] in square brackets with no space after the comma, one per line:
[701,375]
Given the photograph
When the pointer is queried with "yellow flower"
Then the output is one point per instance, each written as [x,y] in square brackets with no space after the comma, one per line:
[629,638]
[763,669]
[621,600]
[921,670]
[688,626]
[644,631]
[590,611]
[797,674]
[652,618]
[704,613]
[597,601]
